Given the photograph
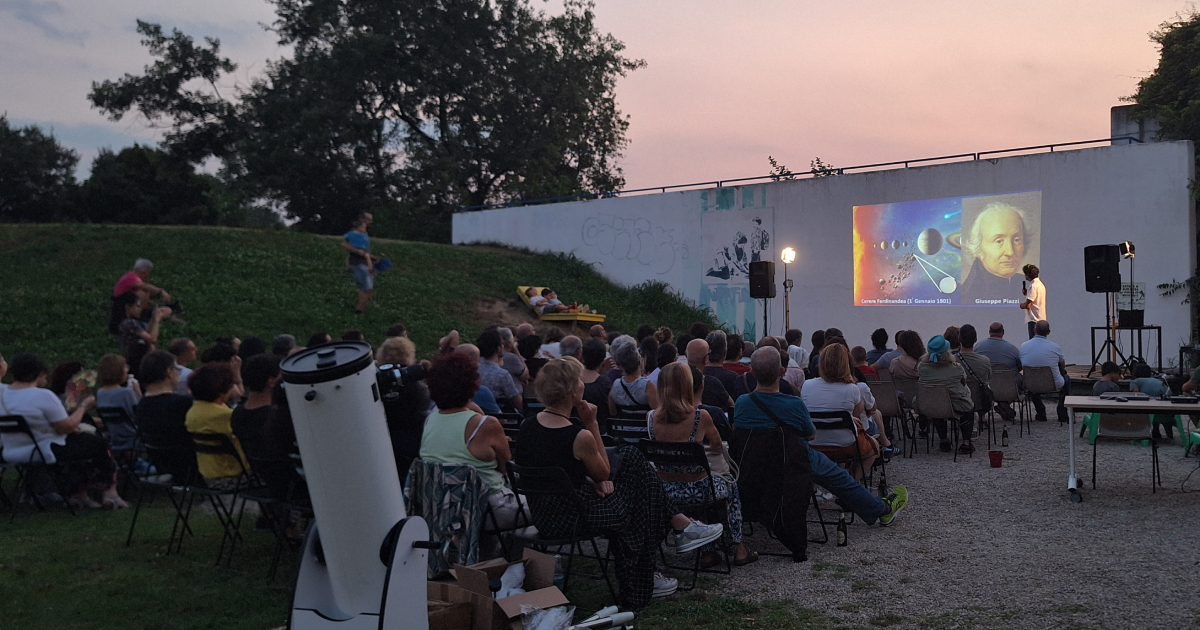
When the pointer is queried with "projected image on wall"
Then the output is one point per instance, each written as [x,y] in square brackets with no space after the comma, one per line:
[954,251]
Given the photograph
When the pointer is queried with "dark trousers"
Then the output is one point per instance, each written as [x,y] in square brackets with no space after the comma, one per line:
[1030,325]
[87,461]
[1040,407]
[966,423]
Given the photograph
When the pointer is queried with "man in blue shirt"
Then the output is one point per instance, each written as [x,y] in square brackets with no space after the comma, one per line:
[1001,352]
[854,496]
[360,265]
[1041,352]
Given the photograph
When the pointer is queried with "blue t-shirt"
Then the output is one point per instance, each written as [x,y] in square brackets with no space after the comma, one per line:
[486,400]
[1151,387]
[1103,387]
[361,241]
[790,409]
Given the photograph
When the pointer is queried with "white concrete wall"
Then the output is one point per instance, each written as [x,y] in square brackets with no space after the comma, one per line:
[1090,196]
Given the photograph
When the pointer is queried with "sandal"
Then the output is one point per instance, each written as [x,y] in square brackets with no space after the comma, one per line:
[116,503]
[709,559]
[751,557]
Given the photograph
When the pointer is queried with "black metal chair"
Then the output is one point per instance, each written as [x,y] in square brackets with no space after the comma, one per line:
[229,515]
[977,397]
[126,459]
[283,494]
[628,428]
[531,481]
[1006,390]
[17,426]
[175,473]
[690,457]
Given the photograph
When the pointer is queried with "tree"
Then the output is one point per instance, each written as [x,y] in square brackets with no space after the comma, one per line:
[149,186]
[1171,94]
[408,108]
[37,175]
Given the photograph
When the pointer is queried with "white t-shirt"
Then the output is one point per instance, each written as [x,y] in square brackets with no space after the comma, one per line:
[184,372]
[1037,301]
[799,355]
[40,407]
[821,395]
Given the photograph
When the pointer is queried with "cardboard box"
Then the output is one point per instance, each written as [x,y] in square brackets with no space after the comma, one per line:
[450,607]
[492,614]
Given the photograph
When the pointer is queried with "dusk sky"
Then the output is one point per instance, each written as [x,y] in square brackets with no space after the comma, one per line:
[726,84]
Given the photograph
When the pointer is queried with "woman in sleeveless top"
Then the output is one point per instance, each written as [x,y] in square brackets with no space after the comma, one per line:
[677,419]
[457,434]
[628,504]
[837,390]
[632,393]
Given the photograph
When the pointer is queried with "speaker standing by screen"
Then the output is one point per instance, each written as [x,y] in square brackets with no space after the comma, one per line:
[762,279]
[1101,268]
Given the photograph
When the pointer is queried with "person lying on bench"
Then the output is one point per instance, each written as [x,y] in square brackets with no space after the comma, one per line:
[548,301]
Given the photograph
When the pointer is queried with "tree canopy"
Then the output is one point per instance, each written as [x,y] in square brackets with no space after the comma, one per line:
[37,175]
[408,108]
[1171,94]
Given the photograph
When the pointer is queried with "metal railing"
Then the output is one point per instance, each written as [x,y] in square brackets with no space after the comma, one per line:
[719,183]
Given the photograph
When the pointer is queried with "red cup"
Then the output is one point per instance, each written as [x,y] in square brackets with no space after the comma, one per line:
[997,458]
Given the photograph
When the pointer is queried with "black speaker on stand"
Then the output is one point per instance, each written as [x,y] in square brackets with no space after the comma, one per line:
[762,285]
[1102,274]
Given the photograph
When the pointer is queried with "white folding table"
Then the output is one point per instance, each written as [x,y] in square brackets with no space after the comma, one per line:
[1093,404]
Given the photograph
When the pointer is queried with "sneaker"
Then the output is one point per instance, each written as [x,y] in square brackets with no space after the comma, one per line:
[889,452]
[696,535]
[898,499]
[663,585]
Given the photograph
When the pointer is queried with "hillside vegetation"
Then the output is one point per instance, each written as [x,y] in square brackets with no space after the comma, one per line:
[58,280]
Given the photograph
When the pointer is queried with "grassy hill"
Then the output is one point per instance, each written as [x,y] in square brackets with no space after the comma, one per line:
[54,298]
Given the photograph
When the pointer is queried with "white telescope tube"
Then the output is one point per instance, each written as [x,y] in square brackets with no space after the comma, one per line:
[351,472]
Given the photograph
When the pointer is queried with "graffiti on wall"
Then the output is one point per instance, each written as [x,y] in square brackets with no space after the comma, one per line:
[635,239]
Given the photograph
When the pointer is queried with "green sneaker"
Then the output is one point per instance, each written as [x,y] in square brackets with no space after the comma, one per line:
[897,499]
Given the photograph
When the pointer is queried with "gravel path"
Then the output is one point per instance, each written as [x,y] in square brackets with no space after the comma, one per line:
[1005,548]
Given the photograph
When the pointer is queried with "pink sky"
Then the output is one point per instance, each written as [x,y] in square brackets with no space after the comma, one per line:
[726,85]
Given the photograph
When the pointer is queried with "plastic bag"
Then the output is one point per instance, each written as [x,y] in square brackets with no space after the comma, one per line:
[557,618]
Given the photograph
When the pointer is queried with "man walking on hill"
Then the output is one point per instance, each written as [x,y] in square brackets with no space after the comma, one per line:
[358,244]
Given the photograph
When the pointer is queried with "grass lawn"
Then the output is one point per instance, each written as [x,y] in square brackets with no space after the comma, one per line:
[59,280]
[63,572]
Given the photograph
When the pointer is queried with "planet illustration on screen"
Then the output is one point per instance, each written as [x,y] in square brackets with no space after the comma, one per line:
[929,241]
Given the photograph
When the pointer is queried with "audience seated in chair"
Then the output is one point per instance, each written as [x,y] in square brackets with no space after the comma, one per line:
[938,368]
[1110,373]
[677,419]
[633,393]
[406,407]
[59,437]
[628,503]
[162,415]
[837,390]
[211,385]
[754,411]
[116,389]
[458,434]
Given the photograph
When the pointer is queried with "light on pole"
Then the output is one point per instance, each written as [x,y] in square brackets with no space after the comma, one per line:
[788,256]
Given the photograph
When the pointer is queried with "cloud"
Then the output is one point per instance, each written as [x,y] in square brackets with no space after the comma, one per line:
[35,14]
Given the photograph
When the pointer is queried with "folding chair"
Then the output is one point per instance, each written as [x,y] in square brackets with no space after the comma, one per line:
[690,457]
[888,405]
[549,482]
[531,407]
[230,516]
[283,493]
[1005,390]
[977,398]
[1038,381]
[884,373]
[176,474]
[511,422]
[36,459]
[906,392]
[933,402]
[126,459]
[1128,426]
[630,428]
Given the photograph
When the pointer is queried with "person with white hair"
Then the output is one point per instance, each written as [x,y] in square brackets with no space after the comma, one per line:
[135,280]
[997,243]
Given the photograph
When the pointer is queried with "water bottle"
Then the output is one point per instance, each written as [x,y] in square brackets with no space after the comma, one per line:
[841,530]
[1004,437]
[558,571]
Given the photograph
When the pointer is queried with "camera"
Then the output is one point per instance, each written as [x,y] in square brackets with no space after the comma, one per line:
[392,378]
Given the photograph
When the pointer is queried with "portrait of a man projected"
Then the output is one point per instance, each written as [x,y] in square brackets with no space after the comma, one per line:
[945,252]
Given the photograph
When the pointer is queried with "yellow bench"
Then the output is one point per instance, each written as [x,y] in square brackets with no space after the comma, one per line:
[594,318]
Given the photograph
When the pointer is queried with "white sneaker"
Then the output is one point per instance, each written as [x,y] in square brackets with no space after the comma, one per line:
[696,535]
[663,585]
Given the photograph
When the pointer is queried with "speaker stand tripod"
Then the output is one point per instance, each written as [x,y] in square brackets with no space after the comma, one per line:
[1110,343]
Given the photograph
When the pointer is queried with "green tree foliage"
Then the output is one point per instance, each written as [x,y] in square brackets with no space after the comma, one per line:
[1171,94]
[148,186]
[37,175]
[408,108]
